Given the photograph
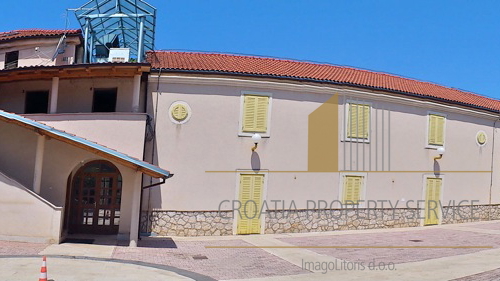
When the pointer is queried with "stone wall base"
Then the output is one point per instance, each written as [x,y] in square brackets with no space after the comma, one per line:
[214,223]
[177,223]
[461,214]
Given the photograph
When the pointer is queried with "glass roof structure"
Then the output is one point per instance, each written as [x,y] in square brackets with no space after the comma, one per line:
[106,24]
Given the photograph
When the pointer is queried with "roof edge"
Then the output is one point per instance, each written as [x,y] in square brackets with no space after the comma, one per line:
[333,82]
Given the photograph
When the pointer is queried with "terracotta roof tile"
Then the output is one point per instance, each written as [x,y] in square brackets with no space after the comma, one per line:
[236,64]
[25,33]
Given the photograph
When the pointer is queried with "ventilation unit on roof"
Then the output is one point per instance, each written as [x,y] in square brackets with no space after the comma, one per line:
[119,54]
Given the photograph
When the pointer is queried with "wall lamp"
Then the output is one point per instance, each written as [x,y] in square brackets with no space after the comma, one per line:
[440,151]
[256,138]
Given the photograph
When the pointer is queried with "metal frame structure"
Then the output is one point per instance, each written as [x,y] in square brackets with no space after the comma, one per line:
[133,21]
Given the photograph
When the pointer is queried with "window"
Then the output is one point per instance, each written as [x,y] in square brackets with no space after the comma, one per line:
[352,189]
[36,102]
[435,135]
[104,100]
[255,113]
[358,121]
[11,59]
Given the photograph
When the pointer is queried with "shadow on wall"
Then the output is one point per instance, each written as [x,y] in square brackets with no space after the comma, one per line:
[255,161]
[437,168]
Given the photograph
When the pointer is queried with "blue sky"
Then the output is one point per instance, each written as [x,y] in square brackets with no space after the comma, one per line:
[454,43]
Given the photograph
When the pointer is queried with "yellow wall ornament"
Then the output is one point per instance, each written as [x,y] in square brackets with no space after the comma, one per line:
[179,112]
[481,138]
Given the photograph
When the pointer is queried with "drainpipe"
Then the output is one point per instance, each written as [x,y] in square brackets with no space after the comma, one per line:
[144,148]
[492,162]
[155,114]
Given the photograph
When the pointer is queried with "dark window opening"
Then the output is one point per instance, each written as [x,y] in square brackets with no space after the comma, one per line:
[104,100]
[37,102]
[11,59]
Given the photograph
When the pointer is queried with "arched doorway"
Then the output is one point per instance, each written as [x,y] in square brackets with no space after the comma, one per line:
[96,192]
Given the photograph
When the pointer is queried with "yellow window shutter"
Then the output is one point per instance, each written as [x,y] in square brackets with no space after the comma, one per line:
[258,185]
[432,129]
[440,130]
[429,192]
[245,196]
[347,189]
[437,189]
[436,129]
[365,126]
[432,197]
[255,112]
[249,105]
[262,108]
[352,123]
[352,189]
[251,190]
[358,123]
[356,192]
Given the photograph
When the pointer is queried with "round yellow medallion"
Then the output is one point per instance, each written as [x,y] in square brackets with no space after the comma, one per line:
[481,138]
[179,112]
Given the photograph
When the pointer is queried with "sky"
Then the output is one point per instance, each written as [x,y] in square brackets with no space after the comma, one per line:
[453,43]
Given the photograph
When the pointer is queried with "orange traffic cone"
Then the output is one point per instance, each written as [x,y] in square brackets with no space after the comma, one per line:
[43,270]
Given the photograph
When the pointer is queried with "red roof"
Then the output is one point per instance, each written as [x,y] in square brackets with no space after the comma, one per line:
[25,33]
[270,67]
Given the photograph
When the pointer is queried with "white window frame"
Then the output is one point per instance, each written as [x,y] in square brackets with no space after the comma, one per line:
[346,121]
[433,146]
[424,190]
[363,188]
[267,134]
[237,197]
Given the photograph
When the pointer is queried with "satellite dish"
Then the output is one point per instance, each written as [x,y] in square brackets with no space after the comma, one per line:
[61,47]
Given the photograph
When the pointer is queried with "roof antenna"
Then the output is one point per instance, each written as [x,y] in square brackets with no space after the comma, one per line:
[61,46]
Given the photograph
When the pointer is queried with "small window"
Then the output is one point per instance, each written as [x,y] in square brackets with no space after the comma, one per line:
[352,189]
[104,100]
[436,130]
[11,59]
[358,121]
[37,102]
[255,114]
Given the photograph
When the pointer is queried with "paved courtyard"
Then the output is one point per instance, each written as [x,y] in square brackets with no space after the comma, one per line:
[450,252]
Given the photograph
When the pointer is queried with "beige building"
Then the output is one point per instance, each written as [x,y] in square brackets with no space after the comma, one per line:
[329,135]
[337,147]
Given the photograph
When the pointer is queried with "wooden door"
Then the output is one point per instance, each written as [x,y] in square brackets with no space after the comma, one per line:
[251,191]
[432,197]
[96,198]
